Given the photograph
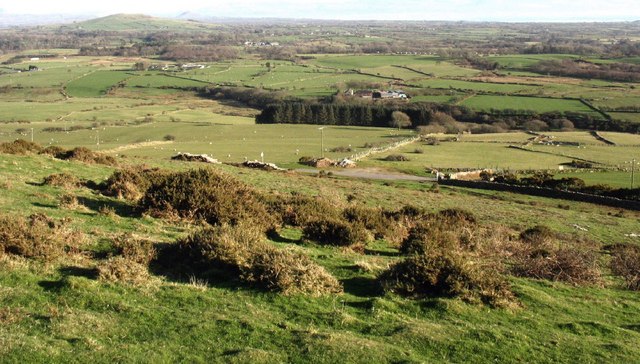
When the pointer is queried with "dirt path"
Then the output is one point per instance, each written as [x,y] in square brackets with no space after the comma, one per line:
[371,173]
[137,145]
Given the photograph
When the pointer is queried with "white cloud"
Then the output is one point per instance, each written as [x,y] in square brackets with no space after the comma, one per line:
[552,10]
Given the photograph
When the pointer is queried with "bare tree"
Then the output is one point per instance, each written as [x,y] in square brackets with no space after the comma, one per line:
[400,120]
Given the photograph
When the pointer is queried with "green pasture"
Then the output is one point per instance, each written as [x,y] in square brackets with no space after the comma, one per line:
[619,100]
[476,86]
[96,83]
[622,138]
[615,179]
[626,116]
[613,156]
[526,60]
[541,105]
[159,80]
[582,137]
[468,155]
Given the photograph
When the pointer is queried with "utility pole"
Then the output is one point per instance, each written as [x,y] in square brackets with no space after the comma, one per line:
[31,135]
[97,137]
[633,169]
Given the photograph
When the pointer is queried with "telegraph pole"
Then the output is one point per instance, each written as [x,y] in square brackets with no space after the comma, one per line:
[633,169]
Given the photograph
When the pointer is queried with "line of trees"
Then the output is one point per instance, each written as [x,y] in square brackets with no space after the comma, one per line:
[428,114]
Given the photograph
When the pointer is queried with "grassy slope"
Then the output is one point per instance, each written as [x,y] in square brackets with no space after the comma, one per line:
[57,314]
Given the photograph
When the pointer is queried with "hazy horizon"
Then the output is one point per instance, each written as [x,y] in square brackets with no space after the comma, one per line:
[455,10]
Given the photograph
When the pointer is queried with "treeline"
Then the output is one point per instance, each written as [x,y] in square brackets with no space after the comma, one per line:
[624,72]
[425,114]
[252,97]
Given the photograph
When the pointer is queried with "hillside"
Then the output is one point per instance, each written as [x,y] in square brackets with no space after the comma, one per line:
[136,23]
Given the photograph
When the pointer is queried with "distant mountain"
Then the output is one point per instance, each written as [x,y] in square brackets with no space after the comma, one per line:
[137,22]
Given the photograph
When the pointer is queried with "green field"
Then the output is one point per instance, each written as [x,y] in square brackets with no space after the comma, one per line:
[486,102]
[96,84]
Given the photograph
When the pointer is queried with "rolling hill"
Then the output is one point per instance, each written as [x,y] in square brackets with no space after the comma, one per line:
[137,23]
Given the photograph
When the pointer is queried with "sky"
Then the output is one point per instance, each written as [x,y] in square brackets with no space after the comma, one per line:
[475,10]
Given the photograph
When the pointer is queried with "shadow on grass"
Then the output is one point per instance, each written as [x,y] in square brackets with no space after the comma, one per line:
[44,205]
[382,253]
[170,265]
[362,286]
[120,208]
[277,238]
[68,271]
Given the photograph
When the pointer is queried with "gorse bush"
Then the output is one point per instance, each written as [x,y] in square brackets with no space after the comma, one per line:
[447,230]
[335,232]
[38,237]
[372,219]
[20,147]
[86,155]
[208,195]
[130,183]
[64,180]
[139,250]
[446,275]
[225,246]
[289,273]
[241,252]
[396,158]
[298,210]
[120,269]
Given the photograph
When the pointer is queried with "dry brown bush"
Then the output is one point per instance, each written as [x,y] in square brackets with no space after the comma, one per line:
[289,273]
[625,262]
[123,270]
[447,230]
[68,201]
[86,155]
[543,254]
[64,180]
[37,237]
[52,150]
[139,250]
[20,147]
[130,183]
[298,210]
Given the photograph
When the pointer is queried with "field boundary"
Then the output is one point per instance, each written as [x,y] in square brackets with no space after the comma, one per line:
[545,192]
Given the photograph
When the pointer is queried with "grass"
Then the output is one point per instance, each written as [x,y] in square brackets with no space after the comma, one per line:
[486,102]
[96,84]
[63,313]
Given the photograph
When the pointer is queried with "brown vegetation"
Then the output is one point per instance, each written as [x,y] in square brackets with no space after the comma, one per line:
[38,237]
[625,262]
[542,254]
[208,195]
